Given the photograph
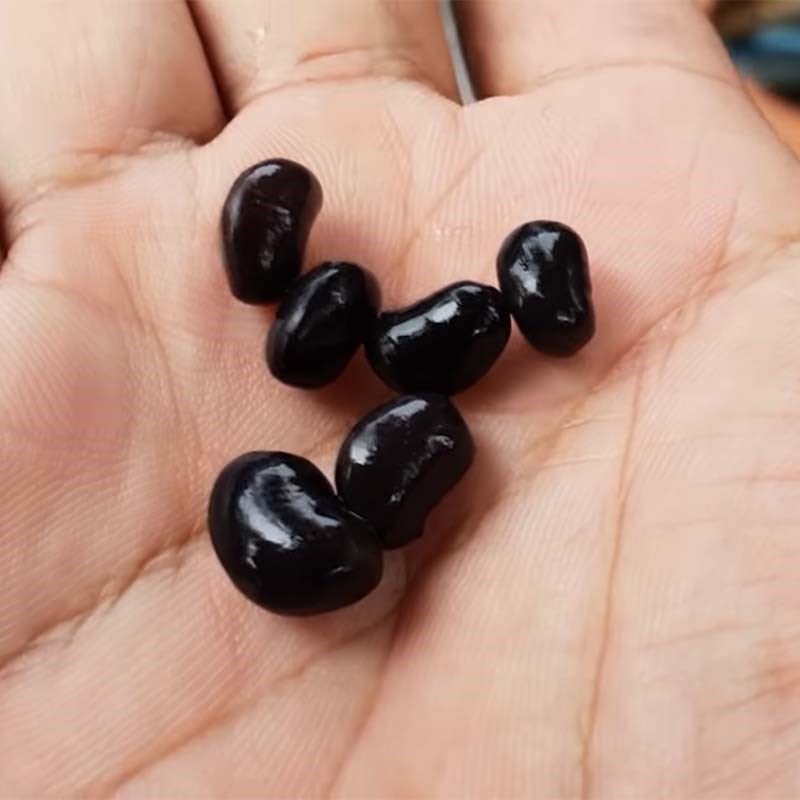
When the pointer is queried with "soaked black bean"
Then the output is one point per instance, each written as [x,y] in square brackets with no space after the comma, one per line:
[544,274]
[443,343]
[321,322]
[400,460]
[265,224]
[286,540]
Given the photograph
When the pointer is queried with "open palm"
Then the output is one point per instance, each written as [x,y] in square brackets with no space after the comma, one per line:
[608,606]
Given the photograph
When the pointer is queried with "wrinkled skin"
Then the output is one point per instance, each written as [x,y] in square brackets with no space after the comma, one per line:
[609,606]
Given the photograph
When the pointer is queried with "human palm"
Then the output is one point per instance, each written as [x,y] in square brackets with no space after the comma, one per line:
[607,606]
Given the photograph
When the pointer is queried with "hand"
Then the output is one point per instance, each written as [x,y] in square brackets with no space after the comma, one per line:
[608,605]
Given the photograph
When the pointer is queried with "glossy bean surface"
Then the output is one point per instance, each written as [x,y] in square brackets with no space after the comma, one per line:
[321,322]
[443,343]
[286,540]
[543,271]
[266,220]
[400,460]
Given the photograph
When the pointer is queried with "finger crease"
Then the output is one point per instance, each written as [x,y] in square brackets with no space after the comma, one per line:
[566,74]
[259,91]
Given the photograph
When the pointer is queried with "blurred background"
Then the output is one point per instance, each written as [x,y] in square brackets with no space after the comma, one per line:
[763,37]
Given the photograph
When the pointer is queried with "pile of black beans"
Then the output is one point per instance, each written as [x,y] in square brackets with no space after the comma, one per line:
[287,539]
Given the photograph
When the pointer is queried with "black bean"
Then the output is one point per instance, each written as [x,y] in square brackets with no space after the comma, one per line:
[265,224]
[400,460]
[284,538]
[443,343]
[321,322]
[544,274]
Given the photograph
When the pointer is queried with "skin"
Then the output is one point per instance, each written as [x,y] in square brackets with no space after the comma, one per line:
[607,607]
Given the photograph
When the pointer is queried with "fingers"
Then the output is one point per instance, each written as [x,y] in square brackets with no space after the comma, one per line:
[85,81]
[513,46]
[258,46]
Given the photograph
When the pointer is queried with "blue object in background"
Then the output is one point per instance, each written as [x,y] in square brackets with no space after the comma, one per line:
[771,55]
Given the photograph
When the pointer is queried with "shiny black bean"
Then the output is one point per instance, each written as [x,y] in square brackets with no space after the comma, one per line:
[400,460]
[284,538]
[321,322]
[544,274]
[443,343]
[265,224]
